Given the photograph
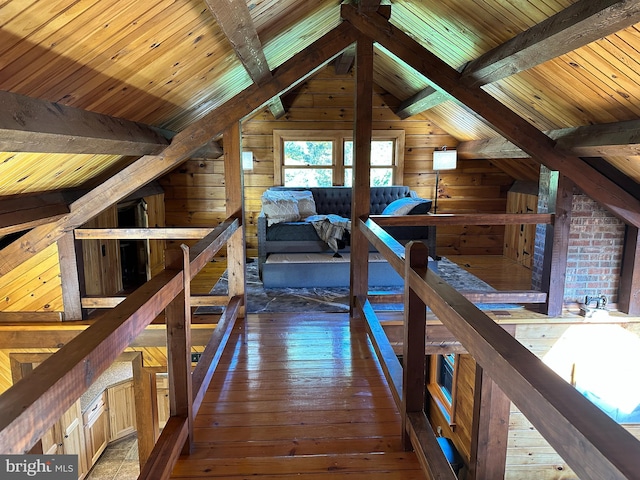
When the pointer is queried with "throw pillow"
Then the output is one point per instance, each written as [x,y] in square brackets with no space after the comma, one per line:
[408,206]
[306,203]
[280,207]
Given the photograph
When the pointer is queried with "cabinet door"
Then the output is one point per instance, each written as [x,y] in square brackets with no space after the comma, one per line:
[122,412]
[96,433]
[52,441]
[73,437]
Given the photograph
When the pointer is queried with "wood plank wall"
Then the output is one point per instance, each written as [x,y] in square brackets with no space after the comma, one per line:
[34,286]
[194,193]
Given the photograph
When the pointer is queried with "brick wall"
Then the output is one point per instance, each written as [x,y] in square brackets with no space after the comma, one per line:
[596,240]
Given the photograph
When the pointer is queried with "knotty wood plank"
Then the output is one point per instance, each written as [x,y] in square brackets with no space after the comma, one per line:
[183,145]
[513,127]
[577,25]
[34,125]
[280,410]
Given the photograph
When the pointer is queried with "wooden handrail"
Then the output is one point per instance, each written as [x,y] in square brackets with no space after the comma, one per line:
[591,443]
[32,405]
[465,219]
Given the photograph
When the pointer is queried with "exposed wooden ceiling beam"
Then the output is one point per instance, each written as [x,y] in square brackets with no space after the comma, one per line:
[577,25]
[508,123]
[148,168]
[421,102]
[35,125]
[609,139]
[235,20]
[22,212]
[345,61]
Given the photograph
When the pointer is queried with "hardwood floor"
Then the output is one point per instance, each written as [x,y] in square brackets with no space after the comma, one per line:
[298,396]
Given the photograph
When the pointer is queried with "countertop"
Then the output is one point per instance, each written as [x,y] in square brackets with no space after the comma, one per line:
[118,372]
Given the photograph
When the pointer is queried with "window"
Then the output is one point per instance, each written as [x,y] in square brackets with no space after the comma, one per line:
[315,158]
[442,383]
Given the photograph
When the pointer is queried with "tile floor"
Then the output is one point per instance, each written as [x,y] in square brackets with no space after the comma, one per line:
[118,462]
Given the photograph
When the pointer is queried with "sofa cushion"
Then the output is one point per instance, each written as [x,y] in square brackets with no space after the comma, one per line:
[306,203]
[408,206]
[280,207]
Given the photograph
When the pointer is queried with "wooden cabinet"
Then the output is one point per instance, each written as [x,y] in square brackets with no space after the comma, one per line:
[122,411]
[96,429]
[52,441]
[73,442]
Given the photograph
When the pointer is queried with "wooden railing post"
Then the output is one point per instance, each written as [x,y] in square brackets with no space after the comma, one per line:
[178,318]
[234,191]
[415,317]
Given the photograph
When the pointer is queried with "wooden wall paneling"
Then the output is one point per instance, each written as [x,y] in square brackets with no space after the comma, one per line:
[36,285]
[102,267]
[519,240]
[156,217]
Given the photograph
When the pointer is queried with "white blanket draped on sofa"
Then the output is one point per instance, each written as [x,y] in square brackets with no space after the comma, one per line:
[330,228]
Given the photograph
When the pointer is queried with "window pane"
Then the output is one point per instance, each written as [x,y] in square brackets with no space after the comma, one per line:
[382,152]
[308,177]
[308,152]
[381,177]
[348,152]
[348,177]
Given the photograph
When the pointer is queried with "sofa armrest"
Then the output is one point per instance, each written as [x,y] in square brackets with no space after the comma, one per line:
[262,241]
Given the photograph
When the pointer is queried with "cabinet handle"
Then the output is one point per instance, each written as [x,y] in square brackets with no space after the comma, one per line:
[66,436]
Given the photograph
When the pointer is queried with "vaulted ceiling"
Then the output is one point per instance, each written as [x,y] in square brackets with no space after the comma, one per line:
[569,69]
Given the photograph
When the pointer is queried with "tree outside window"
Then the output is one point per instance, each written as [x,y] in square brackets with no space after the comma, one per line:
[314,158]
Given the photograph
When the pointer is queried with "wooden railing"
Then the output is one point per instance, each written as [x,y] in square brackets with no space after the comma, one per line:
[31,406]
[591,443]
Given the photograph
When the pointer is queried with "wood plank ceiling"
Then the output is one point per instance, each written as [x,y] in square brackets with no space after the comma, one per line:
[166,64]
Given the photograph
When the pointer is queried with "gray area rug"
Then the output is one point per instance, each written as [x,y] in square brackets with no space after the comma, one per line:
[260,299]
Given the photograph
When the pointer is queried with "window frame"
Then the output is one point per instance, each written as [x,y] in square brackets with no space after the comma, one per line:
[437,390]
[338,138]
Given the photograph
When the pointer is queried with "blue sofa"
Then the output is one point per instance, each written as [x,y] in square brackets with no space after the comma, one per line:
[301,237]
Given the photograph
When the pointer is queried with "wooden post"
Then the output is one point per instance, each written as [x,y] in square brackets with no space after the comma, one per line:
[490,429]
[234,192]
[144,390]
[72,276]
[556,245]
[361,193]
[629,290]
[413,357]
[178,314]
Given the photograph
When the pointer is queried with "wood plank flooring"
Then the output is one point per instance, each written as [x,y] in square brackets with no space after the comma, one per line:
[298,396]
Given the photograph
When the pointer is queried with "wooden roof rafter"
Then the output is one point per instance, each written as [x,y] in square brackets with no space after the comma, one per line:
[505,121]
[235,20]
[182,147]
[577,25]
